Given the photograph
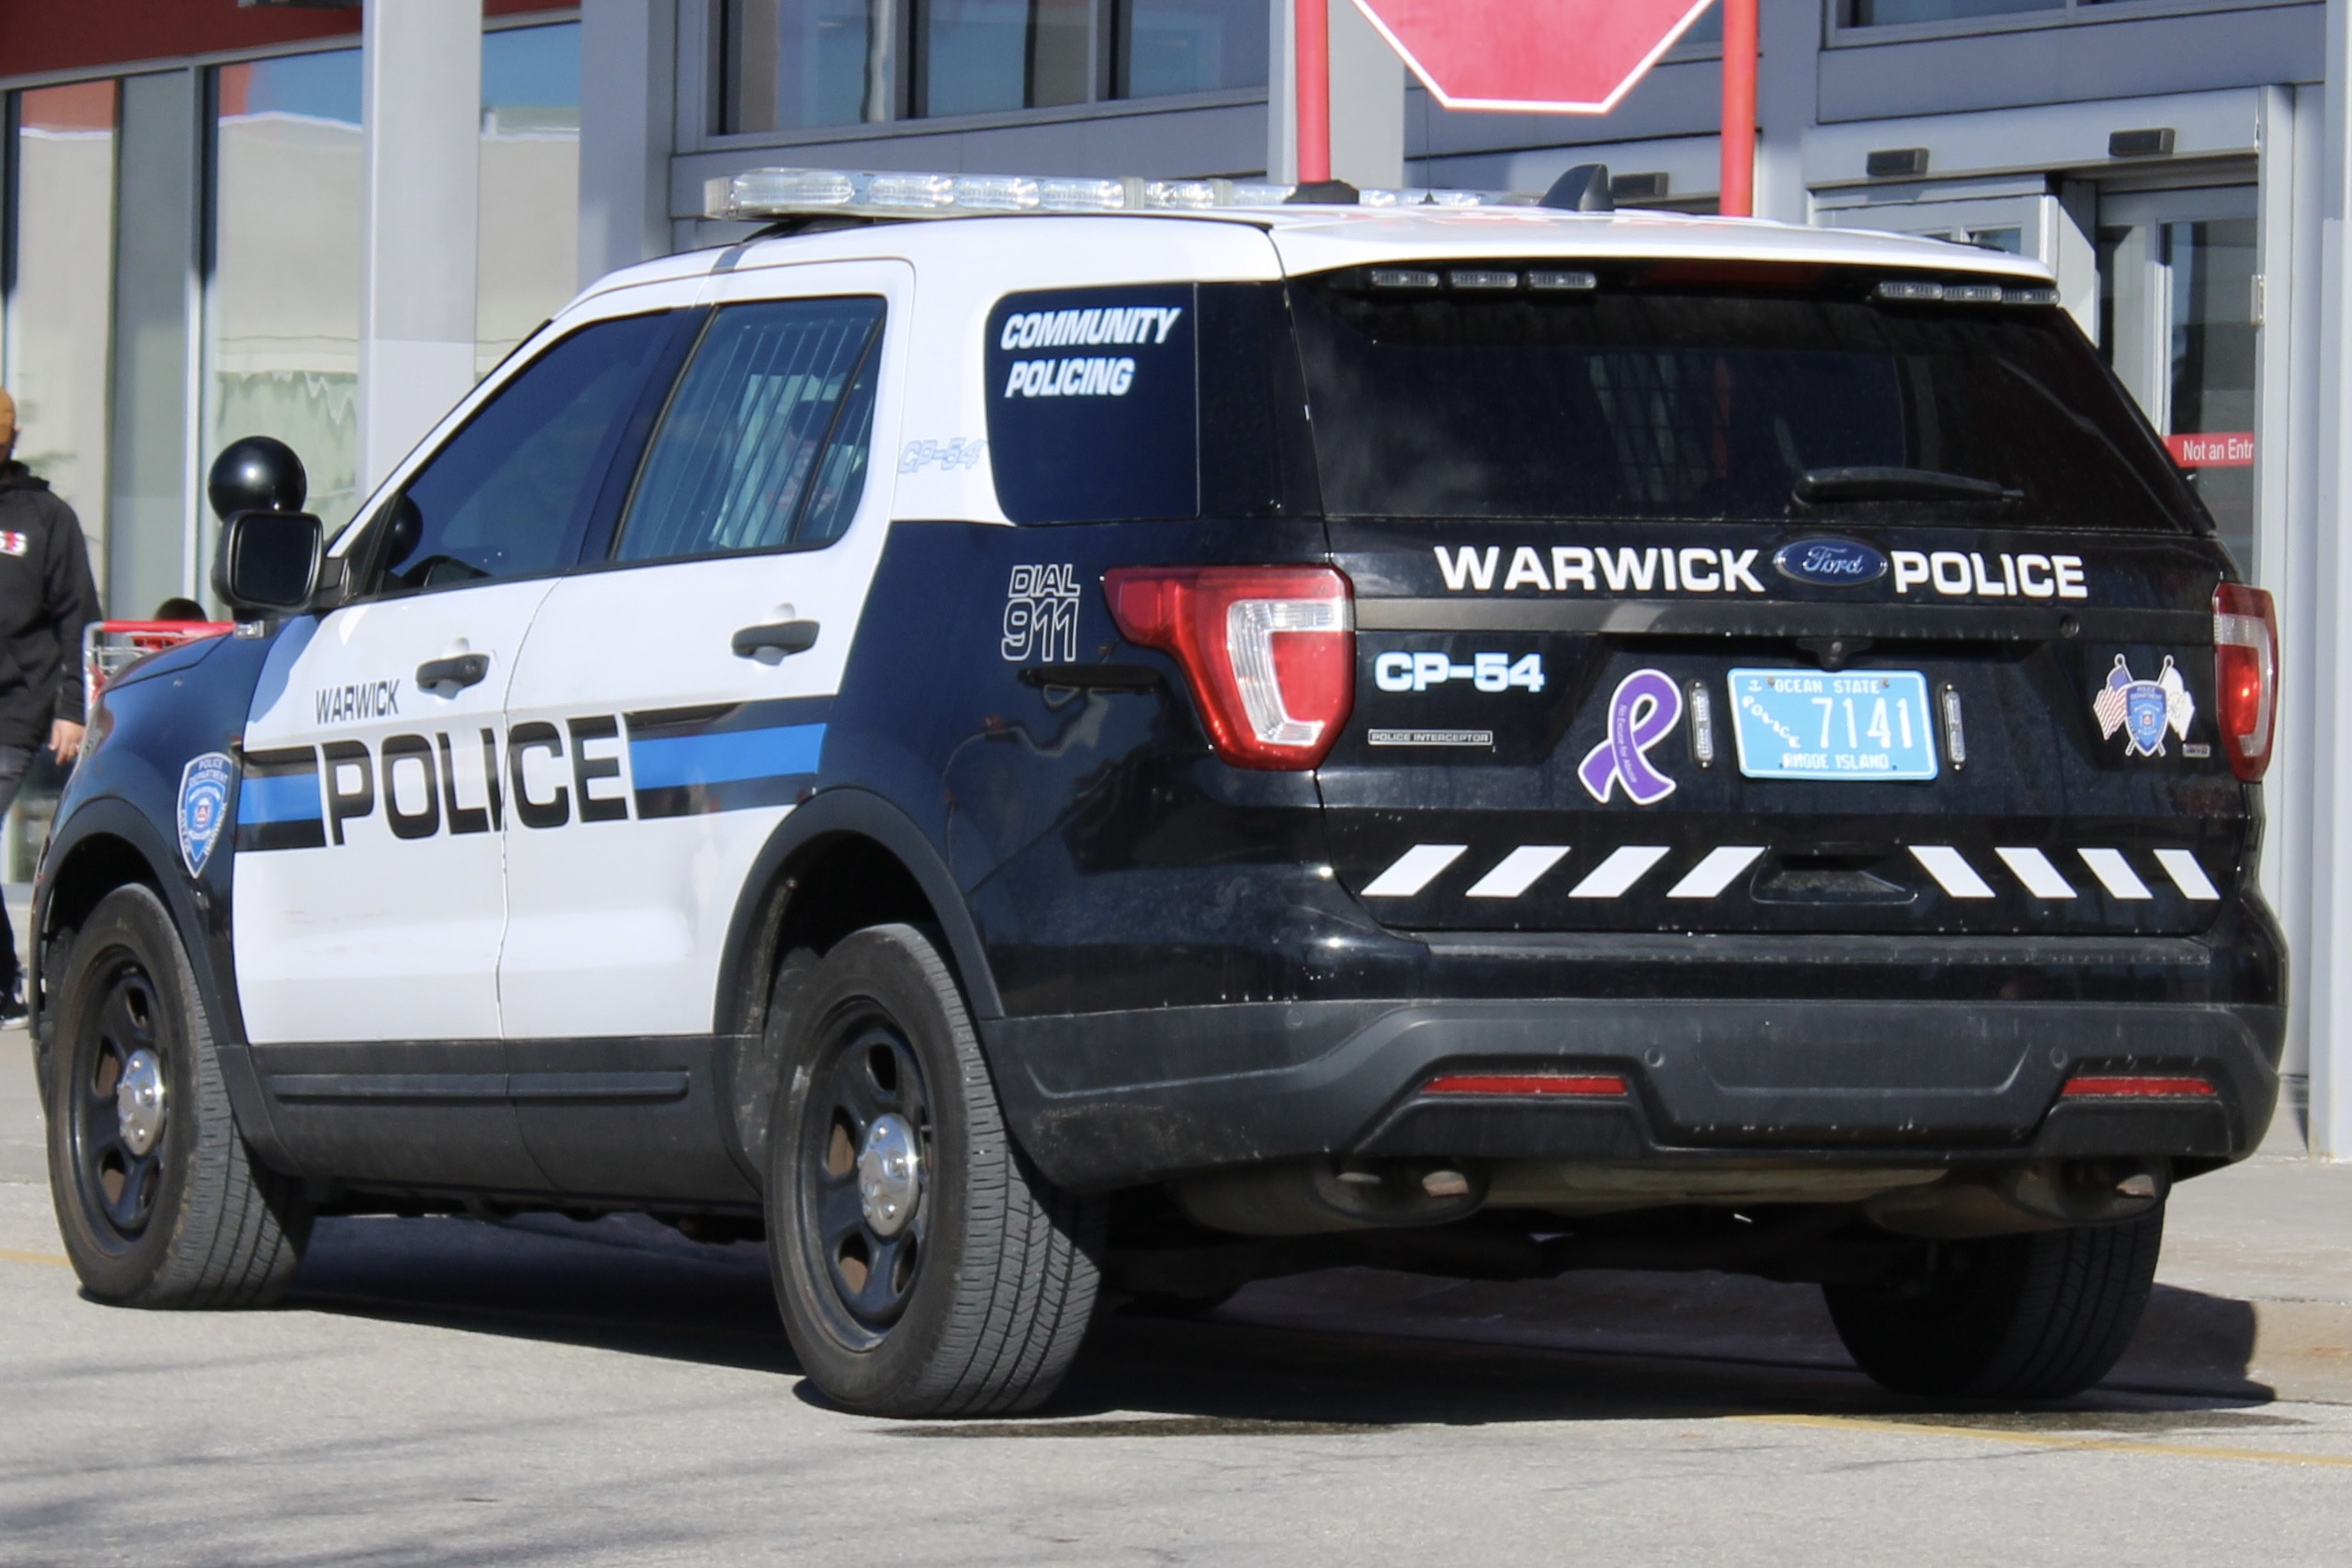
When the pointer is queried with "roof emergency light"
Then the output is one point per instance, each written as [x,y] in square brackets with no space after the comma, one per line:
[757,195]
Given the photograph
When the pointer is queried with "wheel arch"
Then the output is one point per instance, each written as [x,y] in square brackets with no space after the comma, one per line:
[107,843]
[843,839]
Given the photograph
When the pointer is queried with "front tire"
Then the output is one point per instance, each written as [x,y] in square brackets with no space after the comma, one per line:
[922,1266]
[2011,1317]
[159,1199]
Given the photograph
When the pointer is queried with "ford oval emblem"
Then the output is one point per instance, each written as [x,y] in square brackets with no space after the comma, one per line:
[1830,563]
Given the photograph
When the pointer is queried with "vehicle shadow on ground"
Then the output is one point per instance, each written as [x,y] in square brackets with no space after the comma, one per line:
[1343,1351]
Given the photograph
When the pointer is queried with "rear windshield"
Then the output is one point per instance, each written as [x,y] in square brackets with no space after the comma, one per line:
[1648,396]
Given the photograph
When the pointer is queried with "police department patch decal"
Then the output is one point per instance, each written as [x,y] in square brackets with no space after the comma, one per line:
[2143,709]
[204,807]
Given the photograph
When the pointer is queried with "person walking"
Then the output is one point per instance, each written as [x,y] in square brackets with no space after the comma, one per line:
[46,598]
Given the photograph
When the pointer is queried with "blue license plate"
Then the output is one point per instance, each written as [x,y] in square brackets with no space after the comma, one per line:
[1808,724]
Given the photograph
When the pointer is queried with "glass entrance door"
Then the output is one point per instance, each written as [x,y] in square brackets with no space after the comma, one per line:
[2177,318]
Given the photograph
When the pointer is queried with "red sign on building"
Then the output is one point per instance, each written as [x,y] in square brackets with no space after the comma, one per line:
[2232,448]
[1544,56]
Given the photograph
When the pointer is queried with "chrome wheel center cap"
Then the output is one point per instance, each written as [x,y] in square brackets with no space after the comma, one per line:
[139,1098]
[890,1175]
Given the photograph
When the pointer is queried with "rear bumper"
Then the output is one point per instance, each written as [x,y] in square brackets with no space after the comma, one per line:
[1106,1100]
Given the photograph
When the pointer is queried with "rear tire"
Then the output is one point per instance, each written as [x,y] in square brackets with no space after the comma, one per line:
[159,1199]
[2011,1317]
[972,1295]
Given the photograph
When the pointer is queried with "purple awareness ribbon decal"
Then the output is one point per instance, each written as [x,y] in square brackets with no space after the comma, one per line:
[1643,711]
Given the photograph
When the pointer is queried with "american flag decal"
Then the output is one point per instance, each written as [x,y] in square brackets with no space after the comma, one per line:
[2108,708]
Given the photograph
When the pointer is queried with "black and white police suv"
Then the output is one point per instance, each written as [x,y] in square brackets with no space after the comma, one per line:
[1133,739]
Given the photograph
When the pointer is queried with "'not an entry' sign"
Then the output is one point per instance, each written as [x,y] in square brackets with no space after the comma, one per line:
[2232,448]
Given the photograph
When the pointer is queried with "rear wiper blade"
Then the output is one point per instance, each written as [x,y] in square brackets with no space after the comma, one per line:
[1815,485]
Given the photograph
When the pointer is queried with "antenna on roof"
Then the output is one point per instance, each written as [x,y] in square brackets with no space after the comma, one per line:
[1581,189]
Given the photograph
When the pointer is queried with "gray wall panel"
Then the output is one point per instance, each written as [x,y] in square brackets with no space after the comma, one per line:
[155,244]
[2071,63]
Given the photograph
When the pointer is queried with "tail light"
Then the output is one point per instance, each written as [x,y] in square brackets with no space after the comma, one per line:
[1270,651]
[2245,675]
[2137,1086]
[1573,1086]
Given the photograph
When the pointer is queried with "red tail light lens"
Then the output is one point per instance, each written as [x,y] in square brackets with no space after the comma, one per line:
[2137,1086]
[2245,675]
[1270,651]
[1576,1086]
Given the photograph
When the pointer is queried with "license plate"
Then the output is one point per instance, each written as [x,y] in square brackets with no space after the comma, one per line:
[1806,723]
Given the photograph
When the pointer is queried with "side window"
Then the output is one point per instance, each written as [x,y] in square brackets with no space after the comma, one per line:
[1093,405]
[511,492]
[764,444]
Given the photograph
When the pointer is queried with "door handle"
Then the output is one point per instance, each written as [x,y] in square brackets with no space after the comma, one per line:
[460,671]
[783,636]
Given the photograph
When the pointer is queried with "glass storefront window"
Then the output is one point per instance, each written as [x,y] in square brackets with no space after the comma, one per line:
[2176,308]
[981,57]
[529,245]
[283,317]
[1882,13]
[791,63]
[59,336]
[1190,46]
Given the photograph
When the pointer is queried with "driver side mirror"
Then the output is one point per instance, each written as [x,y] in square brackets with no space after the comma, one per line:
[269,562]
[271,553]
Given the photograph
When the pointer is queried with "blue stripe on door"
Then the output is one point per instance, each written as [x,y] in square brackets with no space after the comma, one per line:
[728,757]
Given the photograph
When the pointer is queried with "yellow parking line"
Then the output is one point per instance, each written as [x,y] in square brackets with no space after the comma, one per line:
[8,1255]
[2054,1440]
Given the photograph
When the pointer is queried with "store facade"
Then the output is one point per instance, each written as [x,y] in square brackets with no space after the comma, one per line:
[185,240]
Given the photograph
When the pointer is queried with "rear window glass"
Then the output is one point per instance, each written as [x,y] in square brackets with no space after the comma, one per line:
[1637,399]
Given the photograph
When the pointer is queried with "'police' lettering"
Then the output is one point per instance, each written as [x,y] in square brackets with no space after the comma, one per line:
[350,783]
[593,808]
[425,821]
[556,810]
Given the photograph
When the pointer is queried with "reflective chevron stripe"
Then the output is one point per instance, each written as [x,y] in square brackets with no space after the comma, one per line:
[1715,873]
[2114,873]
[1951,871]
[1419,868]
[1621,870]
[2034,869]
[2187,875]
[1518,870]
[1415,870]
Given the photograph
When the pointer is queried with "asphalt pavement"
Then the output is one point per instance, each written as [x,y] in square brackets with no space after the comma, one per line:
[444,1391]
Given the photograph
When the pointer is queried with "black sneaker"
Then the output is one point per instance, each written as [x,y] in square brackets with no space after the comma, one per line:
[11,1009]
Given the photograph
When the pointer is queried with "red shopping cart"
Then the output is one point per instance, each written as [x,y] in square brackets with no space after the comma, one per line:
[109,646]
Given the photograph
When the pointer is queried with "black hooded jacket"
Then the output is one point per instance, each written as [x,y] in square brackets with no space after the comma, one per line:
[46,598]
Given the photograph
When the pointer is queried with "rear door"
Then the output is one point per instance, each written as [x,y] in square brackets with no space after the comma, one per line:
[1786,605]
[670,710]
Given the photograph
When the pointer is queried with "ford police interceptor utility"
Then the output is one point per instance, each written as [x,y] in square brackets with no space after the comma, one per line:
[1058,754]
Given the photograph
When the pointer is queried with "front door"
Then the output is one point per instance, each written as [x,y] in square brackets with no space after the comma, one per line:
[369,893]
[670,706]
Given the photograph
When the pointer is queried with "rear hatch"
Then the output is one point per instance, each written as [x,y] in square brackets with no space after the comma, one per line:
[1780,599]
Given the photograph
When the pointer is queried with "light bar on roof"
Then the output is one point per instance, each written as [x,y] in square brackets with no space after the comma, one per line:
[758,194]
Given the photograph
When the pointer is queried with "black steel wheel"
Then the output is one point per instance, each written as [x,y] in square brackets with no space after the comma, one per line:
[864,1146]
[122,1104]
[159,1199]
[922,1266]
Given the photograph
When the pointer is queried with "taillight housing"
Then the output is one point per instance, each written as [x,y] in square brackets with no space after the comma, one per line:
[2245,676]
[1270,651]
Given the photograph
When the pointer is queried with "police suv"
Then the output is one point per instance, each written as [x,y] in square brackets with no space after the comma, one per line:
[1130,739]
